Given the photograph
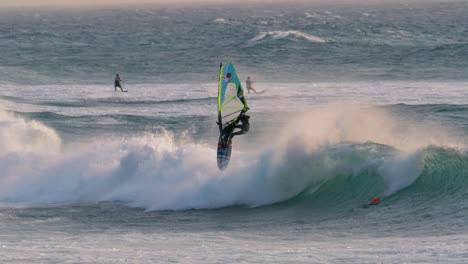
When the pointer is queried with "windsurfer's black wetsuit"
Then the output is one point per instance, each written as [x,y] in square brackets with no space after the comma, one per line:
[245,125]
[117,81]
[228,132]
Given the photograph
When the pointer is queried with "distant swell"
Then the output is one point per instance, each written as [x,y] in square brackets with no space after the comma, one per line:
[289,34]
[117,118]
[113,101]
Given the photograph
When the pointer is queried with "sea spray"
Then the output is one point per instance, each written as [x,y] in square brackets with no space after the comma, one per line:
[339,143]
[20,135]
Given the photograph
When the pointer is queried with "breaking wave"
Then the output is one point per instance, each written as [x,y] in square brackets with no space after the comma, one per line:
[221,21]
[343,156]
[288,34]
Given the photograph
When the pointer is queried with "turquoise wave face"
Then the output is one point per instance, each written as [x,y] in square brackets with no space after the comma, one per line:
[277,43]
[358,173]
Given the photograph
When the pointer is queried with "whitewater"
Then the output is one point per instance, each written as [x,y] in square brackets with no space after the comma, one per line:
[89,175]
[320,176]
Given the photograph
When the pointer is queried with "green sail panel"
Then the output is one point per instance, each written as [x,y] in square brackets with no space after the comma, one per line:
[229,93]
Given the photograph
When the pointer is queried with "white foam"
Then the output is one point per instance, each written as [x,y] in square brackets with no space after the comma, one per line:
[309,15]
[19,135]
[160,172]
[220,20]
[289,33]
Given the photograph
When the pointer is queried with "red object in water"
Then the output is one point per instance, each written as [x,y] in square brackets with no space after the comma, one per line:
[228,75]
[375,200]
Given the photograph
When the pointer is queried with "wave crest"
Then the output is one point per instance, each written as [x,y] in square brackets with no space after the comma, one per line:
[342,155]
[290,33]
[220,21]
[20,135]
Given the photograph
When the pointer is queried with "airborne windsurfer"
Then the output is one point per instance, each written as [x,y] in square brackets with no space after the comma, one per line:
[228,132]
[232,109]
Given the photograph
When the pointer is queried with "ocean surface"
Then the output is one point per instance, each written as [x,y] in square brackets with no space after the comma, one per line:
[362,102]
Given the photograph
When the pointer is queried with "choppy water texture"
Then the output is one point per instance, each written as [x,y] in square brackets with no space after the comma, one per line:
[362,102]
[412,41]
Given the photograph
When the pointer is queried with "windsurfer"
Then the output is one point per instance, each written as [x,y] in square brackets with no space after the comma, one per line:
[228,131]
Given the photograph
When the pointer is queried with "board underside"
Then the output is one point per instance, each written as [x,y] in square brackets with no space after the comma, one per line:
[224,153]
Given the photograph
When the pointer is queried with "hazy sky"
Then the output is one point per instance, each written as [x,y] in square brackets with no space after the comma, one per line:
[77,2]
[16,3]
[116,2]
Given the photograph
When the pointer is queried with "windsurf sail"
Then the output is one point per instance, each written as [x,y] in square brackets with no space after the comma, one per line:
[231,99]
